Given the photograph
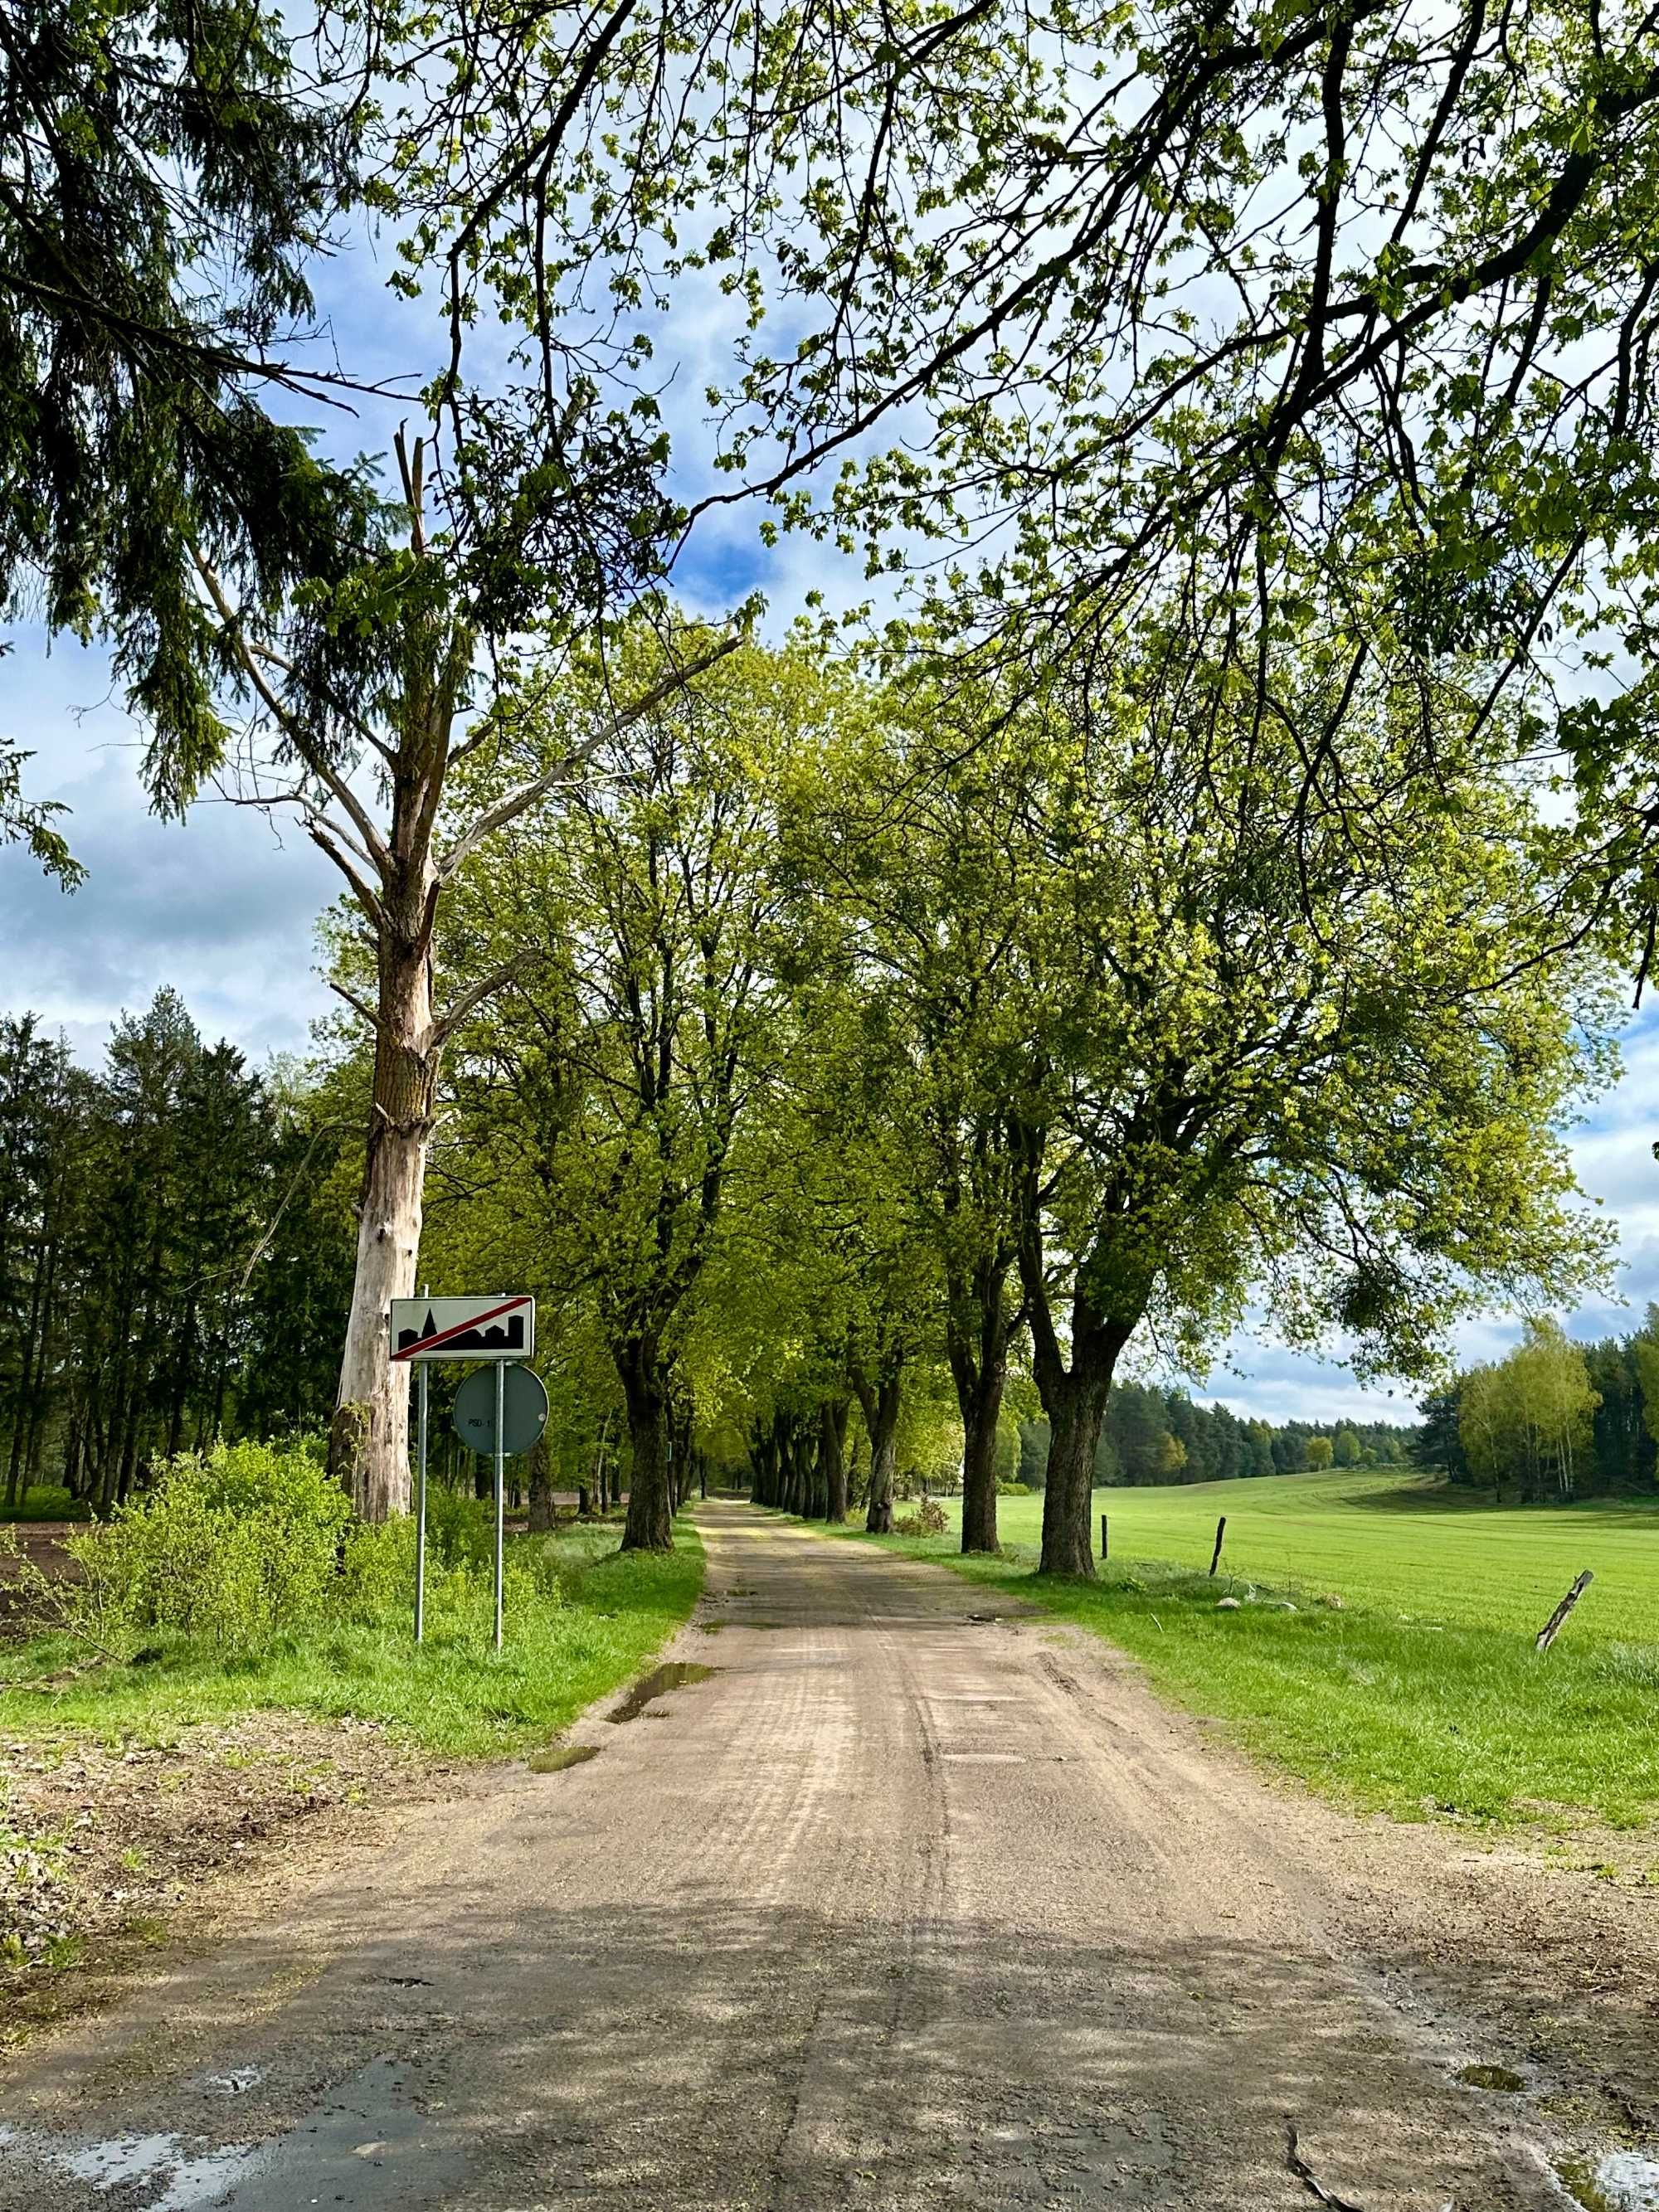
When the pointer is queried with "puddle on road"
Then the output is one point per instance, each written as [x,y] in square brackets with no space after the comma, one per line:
[656,1684]
[192,2181]
[366,2148]
[561,1755]
[1490,2077]
[1623,2181]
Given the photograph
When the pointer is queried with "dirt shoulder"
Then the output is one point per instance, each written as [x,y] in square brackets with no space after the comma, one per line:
[1540,1952]
[112,1854]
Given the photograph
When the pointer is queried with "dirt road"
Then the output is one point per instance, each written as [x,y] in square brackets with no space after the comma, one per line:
[899,1907]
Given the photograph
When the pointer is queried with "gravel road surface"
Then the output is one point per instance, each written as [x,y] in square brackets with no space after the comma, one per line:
[901,1906]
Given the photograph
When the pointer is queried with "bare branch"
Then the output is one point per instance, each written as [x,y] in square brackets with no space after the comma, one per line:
[355,1003]
[291,727]
[509,809]
[474,996]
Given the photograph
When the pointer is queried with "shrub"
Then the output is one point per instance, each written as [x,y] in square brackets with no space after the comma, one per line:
[237,1544]
[927,1519]
[1013,1490]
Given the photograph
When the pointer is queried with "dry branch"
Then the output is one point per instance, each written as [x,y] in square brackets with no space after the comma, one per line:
[1557,1621]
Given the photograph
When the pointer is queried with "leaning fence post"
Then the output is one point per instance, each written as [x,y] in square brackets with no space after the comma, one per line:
[1553,1627]
[1220,1531]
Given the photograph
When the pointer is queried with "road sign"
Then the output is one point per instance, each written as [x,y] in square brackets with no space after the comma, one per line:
[464,1328]
[524,1412]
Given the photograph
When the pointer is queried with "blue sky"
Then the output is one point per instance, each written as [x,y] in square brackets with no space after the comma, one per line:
[223,907]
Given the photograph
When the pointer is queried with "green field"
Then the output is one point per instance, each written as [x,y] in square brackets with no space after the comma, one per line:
[1395,1541]
[1418,1692]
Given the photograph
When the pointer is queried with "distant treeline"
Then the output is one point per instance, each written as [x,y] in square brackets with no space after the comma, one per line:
[1555,1419]
[173,1266]
[1153,1436]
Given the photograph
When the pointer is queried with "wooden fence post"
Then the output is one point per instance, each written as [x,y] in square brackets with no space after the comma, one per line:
[1553,1627]
[1104,1546]
[1220,1531]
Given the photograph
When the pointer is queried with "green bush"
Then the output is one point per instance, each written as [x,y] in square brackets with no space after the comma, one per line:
[250,1546]
[1013,1490]
[460,1530]
[240,1544]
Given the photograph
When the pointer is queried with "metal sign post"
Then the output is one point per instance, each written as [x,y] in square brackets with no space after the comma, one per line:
[419,1514]
[501,1487]
[500,1329]
[498,1416]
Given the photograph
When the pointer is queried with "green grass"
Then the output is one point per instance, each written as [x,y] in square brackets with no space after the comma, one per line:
[453,1696]
[46,1502]
[1422,1690]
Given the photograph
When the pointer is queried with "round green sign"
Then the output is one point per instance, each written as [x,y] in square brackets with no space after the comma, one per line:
[523,1404]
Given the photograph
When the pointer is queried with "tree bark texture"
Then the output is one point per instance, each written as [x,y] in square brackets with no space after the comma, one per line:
[832,1451]
[879,1402]
[650,1524]
[368,1445]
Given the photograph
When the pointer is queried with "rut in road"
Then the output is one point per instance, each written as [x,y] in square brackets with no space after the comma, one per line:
[896,1909]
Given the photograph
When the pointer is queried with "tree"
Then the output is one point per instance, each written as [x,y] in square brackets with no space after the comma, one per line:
[1527,1419]
[905,904]
[1439,1445]
[167,177]
[1319,1454]
[541,178]
[1552,1403]
[1265,1053]
[1345,1447]
[641,908]
[165,1239]
[1303,313]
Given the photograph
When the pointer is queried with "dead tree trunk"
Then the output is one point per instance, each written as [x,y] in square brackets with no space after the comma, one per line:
[369,1442]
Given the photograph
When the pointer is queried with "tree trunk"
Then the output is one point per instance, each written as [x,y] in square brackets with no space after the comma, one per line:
[1075,1415]
[832,1433]
[880,1404]
[368,1442]
[650,1524]
[977,1333]
[979,1464]
[1074,1397]
[18,1467]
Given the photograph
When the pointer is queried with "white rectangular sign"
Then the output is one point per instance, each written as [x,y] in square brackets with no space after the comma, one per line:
[499,1327]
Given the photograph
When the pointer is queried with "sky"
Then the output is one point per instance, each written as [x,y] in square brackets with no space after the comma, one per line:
[223,907]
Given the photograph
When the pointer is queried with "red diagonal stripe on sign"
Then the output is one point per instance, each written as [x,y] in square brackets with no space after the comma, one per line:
[461,1327]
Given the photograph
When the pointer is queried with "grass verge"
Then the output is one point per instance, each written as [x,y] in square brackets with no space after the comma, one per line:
[567,1643]
[1411,1716]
